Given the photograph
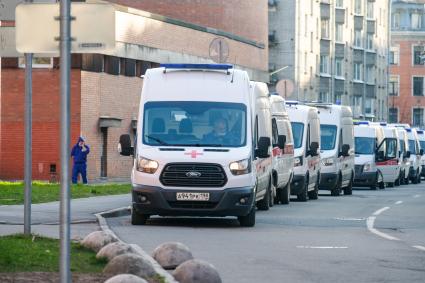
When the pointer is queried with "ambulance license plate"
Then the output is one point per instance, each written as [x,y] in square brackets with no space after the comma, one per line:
[193,196]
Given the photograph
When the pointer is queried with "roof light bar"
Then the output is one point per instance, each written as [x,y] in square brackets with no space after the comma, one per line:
[408,130]
[198,66]
[361,123]
[383,124]
[419,131]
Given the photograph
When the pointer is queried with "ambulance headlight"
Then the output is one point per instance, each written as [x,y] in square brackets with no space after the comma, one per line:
[146,165]
[367,167]
[328,161]
[240,167]
[298,161]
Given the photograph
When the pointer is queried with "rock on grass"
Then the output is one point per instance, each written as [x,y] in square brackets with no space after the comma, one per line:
[125,278]
[130,264]
[97,240]
[114,249]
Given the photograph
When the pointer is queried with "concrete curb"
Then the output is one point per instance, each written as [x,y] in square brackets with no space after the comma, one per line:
[168,278]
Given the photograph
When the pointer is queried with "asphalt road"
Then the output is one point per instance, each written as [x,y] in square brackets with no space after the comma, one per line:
[371,236]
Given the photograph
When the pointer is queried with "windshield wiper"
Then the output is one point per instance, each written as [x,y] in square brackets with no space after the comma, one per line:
[161,142]
[199,145]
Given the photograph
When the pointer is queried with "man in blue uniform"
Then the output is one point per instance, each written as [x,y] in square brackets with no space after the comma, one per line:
[79,154]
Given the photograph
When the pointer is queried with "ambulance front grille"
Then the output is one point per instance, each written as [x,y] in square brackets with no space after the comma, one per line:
[193,175]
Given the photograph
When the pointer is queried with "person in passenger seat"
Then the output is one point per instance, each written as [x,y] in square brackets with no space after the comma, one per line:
[220,133]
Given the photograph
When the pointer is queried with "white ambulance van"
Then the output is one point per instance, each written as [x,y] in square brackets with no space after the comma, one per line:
[367,138]
[390,166]
[404,155]
[306,131]
[203,144]
[416,154]
[336,148]
[421,137]
[283,150]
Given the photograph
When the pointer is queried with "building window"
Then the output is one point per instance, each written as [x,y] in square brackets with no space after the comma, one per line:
[358,7]
[370,41]
[324,64]
[325,28]
[394,55]
[339,67]
[396,21]
[339,3]
[416,21]
[418,86]
[368,109]
[339,32]
[370,10]
[418,117]
[38,62]
[392,115]
[394,87]
[324,96]
[418,53]
[357,105]
[370,75]
[338,98]
[358,38]
[112,65]
[358,71]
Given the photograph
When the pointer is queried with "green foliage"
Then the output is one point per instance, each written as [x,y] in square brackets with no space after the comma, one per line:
[13,192]
[35,253]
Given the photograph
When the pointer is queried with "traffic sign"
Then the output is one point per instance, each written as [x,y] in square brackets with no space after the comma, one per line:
[92,28]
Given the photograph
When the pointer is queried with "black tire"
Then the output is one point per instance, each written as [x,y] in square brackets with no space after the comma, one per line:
[271,198]
[315,193]
[391,185]
[303,196]
[137,218]
[415,179]
[336,191]
[419,178]
[382,184]
[264,204]
[397,182]
[406,181]
[348,191]
[374,186]
[249,219]
[285,194]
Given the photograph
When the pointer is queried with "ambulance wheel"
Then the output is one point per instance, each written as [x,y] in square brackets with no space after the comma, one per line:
[248,220]
[415,179]
[137,218]
[303,196]
[397,182]
[419,178]
[271,198]
[264,204]
[285,194]
[391,185]
[374,186]
[315,193]
[336,191]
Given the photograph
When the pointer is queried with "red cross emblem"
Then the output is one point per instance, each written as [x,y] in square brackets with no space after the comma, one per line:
[193,153]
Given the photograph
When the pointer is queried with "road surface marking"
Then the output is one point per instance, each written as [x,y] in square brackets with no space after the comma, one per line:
[398,202]
[370,222]
[416,196]
[349,219]
[419,248]
[319,247]
[379,211]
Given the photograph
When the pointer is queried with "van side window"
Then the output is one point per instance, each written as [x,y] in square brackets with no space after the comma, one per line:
[275,132]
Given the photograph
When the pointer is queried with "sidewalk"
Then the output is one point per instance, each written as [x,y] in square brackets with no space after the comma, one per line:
[45,216]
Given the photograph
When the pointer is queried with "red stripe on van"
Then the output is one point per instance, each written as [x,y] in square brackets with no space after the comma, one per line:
[391,162]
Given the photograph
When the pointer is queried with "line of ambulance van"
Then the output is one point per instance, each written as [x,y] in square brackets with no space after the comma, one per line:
[211,142]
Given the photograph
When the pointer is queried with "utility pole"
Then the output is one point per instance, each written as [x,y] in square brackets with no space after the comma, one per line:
[28,142]
[65,102]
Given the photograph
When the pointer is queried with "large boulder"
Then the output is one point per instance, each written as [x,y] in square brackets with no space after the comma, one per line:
[126,278]
[114,249]
[196,271]
[97,240]
[172,254]
[130,264]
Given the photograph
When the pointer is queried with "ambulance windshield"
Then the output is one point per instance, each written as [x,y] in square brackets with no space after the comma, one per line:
[194,123]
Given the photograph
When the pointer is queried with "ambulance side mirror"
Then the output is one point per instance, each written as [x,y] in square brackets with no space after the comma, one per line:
[314,147]
[124,146]
[345,150]
[407,155]
[421,152]
[380,156]
[262,150]
[281,141]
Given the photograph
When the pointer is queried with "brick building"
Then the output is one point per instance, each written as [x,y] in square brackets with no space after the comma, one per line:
[406,102]
[106,87]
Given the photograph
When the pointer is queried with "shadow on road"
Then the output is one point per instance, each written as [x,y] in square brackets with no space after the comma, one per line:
[194,222]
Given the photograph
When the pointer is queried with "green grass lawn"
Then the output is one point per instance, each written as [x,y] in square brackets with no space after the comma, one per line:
[13,192]
[21,253]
